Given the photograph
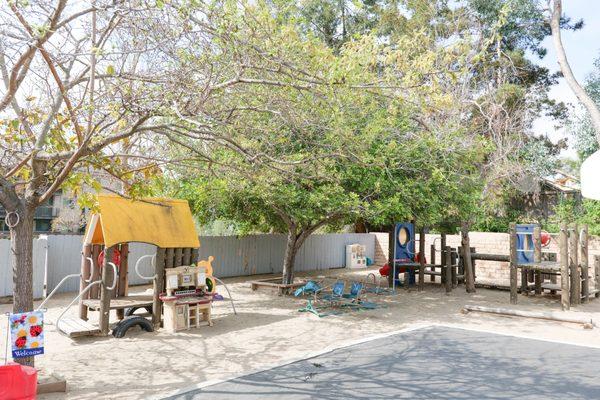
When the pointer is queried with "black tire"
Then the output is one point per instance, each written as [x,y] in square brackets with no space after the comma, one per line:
[131,310]
[129,322]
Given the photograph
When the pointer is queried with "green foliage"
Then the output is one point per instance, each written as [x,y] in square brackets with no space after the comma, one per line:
[374,137]
[573,211]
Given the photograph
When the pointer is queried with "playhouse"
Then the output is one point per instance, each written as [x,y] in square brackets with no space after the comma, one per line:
[181,285]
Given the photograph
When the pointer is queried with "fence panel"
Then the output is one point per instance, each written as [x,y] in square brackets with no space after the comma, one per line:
[234,256]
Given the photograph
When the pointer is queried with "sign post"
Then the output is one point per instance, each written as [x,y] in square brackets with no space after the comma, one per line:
[27,334]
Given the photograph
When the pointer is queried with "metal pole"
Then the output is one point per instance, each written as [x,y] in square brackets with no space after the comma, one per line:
[394,263]
[47,246]
[7,335]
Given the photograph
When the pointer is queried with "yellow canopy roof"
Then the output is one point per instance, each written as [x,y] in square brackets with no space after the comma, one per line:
[162,222]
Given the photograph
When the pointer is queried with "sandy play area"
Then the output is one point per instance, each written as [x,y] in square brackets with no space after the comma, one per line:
[269,330]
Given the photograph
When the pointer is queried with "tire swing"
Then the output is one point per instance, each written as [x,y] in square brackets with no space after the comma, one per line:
[129,322]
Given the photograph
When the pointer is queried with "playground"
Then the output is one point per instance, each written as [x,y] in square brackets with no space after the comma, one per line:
[268,331]
[188,327]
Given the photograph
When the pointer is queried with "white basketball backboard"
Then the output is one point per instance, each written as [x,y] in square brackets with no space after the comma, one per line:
[590,177]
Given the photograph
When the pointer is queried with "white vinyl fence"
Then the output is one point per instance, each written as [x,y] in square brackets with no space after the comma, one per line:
[234,256]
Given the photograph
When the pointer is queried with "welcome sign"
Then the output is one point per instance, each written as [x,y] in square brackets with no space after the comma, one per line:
[27,334]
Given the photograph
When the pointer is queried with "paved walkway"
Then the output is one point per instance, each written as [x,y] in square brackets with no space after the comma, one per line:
[429,363]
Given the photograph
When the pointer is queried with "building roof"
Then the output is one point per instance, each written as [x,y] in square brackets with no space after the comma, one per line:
[562,182]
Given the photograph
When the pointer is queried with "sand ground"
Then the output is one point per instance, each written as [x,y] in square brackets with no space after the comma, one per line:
[269,330]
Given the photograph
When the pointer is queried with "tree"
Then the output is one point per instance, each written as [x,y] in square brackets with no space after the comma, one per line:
[348,133]
[71,95]
[592,108]
[88,94]
[581,125]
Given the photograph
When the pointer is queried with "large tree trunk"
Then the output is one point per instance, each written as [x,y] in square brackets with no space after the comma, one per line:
[296,236]
[291,249]
[582,95]
[21,259]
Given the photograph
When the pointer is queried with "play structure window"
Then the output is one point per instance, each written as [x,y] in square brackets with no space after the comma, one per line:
[403,236]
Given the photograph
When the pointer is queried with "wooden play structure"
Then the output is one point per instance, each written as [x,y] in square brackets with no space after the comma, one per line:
[409,262]
[571,265]
[566,271]
[104,285]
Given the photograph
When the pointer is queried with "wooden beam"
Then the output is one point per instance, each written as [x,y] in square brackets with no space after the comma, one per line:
[391,250]
[448,269]
[574,265]
[537,257]
[195,256]
[473,265]
[467,262]
[597,275]
[432,261]
[170,258]
[585,267]
[588,323]
[453,269]
[123,285]
[513,263]
[490,257]
[105,293]
[95,290]
[158,287]
[443,256]
[563,244]
[187,256]
[85,275]
[422,258]
[178,260]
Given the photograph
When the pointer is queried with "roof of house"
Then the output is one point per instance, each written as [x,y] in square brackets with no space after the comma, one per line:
[562,182]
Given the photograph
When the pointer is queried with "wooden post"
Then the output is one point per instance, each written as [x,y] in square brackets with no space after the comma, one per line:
[391,250]
[158,287]
[524,280]
[453,269]
[123,285]
[194,259]
[178,261]
[473,264]
[597,275]
[574,265]
[432,261]
[537,257]
[443,257]
[563,244]
[448,269]
[95,290]
[585,276]
[467,262]
[513,263]
[187,256]
[85,274]
[422,258]
[105,293]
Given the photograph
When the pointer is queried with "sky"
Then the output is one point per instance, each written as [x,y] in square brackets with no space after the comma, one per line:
[582,48]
